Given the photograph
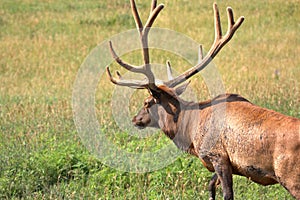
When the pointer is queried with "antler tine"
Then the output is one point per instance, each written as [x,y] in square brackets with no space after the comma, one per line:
[218,28]
[233,26]
[153,16]
[169,67]
[122,63]
[144,30]
[169,71]
[146,68]
[200,53]
[230,17]
[120,81]
[153,5]
[136,15]
[144,38]
[219,42]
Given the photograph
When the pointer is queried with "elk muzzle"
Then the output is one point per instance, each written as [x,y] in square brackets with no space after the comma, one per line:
[142,119]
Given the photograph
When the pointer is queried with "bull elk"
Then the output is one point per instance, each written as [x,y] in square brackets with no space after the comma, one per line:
[250,141]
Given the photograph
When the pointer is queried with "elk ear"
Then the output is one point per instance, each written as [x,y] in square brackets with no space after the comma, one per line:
[166,97]
[179,90]
[155,94]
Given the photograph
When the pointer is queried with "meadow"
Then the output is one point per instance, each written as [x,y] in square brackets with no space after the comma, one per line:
[43,44]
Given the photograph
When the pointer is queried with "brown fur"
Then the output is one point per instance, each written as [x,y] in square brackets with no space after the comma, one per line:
[231,136]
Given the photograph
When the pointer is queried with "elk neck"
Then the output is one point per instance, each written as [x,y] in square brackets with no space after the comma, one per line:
[180,125]
[190,120]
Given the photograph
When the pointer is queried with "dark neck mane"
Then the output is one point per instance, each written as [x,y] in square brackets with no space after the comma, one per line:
[219,99]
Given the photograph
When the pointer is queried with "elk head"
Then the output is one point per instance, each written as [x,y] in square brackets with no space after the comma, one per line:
[164,102]
[157,107]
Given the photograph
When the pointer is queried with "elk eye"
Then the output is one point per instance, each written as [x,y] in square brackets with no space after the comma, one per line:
[146,104]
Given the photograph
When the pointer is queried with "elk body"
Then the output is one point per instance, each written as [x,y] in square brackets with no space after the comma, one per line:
[229,134]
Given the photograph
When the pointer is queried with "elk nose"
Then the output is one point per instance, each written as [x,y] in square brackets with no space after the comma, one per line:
[136,119]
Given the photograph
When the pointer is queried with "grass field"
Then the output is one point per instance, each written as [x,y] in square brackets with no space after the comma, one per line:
[43,44]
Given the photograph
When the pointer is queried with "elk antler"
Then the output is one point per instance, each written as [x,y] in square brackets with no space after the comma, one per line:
[146,68]
[219,42]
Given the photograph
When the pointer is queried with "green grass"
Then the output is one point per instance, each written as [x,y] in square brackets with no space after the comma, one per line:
[43,44]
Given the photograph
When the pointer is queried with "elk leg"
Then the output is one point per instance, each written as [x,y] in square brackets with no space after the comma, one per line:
[224,172]
[212,186]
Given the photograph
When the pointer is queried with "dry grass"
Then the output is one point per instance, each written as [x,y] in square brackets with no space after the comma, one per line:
[43,44]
